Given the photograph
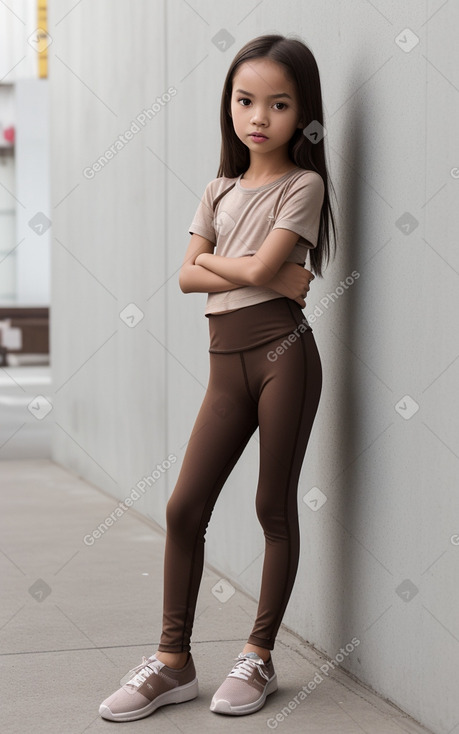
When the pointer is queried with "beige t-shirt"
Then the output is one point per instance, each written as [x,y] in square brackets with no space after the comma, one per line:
[238,220]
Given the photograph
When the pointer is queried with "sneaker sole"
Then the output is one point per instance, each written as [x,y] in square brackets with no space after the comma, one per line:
[177,695]
[224,707]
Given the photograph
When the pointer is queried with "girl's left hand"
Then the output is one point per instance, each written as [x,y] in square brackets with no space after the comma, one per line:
[292,280]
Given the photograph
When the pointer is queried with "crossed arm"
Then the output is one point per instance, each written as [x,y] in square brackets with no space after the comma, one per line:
[202,271]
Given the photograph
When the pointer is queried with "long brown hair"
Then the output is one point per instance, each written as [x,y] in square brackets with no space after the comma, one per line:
[301,67]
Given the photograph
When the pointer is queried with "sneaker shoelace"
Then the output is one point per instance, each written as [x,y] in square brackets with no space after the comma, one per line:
[244,669]
[143,671]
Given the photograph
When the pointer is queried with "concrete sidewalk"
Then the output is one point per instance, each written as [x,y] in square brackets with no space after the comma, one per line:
[75,618]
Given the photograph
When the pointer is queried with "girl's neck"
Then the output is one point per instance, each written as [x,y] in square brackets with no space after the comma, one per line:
[261,172]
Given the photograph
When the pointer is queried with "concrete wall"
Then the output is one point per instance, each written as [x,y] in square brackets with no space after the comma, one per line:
[379,556]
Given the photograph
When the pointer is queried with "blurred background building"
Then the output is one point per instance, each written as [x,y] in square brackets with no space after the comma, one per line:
[25,233]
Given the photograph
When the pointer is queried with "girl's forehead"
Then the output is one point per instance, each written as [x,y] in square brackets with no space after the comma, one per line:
[263,75]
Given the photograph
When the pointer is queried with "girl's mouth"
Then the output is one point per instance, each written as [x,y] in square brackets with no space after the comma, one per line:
[258,137]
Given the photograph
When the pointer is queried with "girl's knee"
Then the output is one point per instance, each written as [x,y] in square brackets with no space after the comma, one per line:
[276,514]
[184,516]
[270,515]
[178,515]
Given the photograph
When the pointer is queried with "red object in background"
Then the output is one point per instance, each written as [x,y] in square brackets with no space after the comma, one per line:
[8,134]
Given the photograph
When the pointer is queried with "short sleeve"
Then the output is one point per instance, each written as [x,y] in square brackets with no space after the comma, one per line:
[301,207]
[202,223]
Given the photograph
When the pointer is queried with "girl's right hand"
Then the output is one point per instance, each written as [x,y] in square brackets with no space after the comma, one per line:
[292,280]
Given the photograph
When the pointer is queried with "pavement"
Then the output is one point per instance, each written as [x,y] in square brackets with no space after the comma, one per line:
[76,617]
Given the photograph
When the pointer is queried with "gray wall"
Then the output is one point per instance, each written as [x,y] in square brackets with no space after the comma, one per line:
[379,557]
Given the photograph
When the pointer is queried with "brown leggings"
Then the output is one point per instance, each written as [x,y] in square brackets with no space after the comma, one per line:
[265,372]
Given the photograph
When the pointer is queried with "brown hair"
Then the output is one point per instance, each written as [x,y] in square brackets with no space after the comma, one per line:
[301,67]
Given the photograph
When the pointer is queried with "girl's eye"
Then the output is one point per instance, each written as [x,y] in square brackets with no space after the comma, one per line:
[243,100]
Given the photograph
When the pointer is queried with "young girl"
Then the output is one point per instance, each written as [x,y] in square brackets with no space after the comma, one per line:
[268,208]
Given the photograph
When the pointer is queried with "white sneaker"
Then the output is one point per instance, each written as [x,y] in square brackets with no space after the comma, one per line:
[245,689]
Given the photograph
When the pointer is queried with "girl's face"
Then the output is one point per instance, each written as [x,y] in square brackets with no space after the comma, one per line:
[264,100]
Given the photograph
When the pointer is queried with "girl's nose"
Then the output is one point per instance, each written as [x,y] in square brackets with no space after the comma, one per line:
[259,117]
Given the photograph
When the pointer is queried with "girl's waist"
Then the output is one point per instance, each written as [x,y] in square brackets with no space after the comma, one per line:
[252,326]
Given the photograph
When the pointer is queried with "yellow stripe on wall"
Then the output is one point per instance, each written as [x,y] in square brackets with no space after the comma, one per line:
[43,41]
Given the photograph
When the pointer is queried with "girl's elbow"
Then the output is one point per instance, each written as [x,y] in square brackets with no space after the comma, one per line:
[183,283]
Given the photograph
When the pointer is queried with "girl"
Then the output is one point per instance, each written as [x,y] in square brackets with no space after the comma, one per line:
[266,210]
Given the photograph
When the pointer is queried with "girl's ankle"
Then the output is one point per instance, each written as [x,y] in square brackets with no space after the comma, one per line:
[261,651]
[175,660]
